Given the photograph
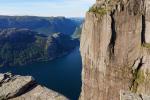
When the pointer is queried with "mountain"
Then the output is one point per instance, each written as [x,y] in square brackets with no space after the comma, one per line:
[22,46]
[115,49]
[43,25]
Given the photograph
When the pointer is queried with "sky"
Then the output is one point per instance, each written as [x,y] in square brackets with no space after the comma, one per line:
[67,8]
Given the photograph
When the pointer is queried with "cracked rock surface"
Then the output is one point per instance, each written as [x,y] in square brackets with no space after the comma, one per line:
[115,49]
[16,87]
[127,95]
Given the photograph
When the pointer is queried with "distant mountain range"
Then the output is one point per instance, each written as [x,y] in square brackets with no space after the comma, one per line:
[43,25]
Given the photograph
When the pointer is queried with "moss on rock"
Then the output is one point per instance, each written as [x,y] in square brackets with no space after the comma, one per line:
[146,45]
[138,79]
[101,11]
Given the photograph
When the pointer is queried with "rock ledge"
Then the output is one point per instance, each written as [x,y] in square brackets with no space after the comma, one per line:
[16,87]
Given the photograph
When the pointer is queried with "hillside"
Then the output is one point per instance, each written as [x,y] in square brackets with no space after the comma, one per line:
[77,33]
[22,46]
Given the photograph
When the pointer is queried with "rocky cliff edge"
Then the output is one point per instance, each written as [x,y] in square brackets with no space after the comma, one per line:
[16,87]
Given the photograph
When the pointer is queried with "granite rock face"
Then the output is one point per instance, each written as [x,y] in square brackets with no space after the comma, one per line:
[16,87]
[40,93]
[147,18]
[115,49]
[127,95]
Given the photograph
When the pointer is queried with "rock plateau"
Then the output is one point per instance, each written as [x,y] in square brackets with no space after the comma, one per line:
[16,87]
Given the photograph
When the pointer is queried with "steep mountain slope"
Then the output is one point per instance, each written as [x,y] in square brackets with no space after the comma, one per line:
[77,33]
[22,46]
[115,50]
[44,25]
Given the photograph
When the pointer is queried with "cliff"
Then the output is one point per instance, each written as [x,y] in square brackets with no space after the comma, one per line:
[16,87]
[115,49]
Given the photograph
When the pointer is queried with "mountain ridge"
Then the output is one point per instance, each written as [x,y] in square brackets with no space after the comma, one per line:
[43,25]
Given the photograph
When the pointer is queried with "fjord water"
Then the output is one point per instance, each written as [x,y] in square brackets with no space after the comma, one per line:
[62,74]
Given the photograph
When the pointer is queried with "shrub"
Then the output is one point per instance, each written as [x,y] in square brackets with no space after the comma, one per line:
[101,11]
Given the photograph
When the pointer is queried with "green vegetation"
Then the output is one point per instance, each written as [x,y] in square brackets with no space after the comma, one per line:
[13,56]
[20,46]
[146,45]
[44,25]
[138,79]
[101,11]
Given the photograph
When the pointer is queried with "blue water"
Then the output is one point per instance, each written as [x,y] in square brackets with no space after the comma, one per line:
[62,75]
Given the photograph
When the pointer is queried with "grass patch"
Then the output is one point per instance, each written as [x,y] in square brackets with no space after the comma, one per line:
[146,45]
[138,79]
[101,11]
